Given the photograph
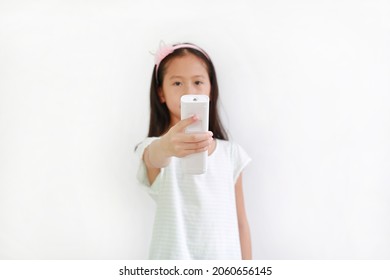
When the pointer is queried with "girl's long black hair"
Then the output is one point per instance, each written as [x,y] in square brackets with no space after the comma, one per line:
[159,113]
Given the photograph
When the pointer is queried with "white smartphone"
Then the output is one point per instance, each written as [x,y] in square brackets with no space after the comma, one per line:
[195,105]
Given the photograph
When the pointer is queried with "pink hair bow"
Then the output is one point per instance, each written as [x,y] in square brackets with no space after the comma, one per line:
[162,52]
[165,50]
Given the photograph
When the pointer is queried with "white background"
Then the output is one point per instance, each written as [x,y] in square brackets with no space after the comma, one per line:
[304,88]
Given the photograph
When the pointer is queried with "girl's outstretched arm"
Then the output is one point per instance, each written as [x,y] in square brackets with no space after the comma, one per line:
[243,225]
[174,143]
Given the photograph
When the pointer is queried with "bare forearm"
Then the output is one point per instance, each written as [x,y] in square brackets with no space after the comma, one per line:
[156,156]
[243,225]
[245,241]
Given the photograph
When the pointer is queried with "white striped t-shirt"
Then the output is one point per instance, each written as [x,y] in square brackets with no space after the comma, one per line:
[196,216]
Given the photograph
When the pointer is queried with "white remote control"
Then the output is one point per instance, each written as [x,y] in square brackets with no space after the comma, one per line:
[195,105]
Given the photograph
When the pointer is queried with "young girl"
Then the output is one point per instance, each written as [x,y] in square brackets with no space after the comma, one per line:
[197,216]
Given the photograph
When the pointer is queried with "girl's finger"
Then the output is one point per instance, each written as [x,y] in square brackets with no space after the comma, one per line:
[198,145]
[196,137]
[181,125]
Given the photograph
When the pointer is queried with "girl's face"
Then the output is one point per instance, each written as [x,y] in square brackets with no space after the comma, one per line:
[183,75]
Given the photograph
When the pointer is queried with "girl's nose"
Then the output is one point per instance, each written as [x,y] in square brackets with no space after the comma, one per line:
[190,89]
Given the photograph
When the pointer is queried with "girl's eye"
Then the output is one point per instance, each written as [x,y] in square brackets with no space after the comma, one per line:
[176,83]
[198,83]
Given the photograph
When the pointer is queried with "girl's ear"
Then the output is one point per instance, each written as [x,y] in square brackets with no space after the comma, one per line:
[161,95]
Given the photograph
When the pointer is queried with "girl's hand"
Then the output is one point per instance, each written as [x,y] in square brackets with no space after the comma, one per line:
[180,144]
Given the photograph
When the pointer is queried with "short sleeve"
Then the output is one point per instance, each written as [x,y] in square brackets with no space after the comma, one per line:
[142,176]
[240,159]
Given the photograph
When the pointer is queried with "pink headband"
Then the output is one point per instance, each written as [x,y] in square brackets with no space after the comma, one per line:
[165,50]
